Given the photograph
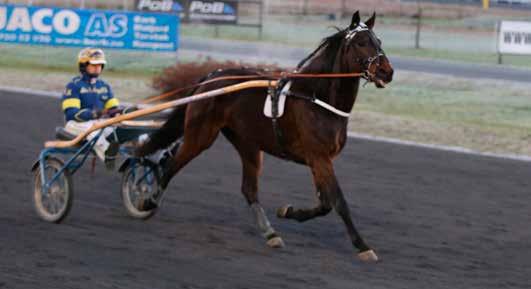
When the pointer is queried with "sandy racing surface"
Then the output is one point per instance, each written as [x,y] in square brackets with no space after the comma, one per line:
[437,220]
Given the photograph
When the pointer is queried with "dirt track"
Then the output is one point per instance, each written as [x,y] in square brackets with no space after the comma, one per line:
[437,220]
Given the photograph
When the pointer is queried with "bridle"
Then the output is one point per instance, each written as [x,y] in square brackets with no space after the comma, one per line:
[367,63]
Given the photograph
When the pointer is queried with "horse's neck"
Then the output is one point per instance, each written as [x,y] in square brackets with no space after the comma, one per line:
[339,92]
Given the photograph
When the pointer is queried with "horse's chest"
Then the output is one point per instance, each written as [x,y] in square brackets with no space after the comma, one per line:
[324,138]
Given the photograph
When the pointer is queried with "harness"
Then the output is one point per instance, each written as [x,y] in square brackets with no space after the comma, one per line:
[274,94]
[282,91]
[283,87]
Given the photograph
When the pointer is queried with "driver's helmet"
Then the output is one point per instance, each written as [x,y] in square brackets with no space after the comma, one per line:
[90,56]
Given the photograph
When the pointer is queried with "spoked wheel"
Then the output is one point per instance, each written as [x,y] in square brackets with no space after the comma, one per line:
[53,204]
[140,181]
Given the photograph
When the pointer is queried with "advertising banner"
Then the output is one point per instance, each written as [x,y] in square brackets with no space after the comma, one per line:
[98,28]
[198,11]
[166,6]
[514,37]
[216,12]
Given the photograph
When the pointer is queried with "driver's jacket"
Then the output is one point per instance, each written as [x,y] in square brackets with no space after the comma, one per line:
[84,96]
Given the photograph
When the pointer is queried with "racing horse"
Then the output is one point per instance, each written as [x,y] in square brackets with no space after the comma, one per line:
[307,133]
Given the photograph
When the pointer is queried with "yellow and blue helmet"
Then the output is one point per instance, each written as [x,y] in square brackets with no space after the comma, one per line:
[91,56]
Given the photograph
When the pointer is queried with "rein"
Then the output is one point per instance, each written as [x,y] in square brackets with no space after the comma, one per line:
[271,76]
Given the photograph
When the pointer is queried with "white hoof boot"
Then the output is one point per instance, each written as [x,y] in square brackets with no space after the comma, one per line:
[275,242]
[368,256]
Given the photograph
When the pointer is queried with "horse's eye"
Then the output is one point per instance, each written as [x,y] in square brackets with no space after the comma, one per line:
[362,43]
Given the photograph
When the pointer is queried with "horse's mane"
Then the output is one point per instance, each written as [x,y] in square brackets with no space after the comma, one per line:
[328,47]
[189,73]
[322,60]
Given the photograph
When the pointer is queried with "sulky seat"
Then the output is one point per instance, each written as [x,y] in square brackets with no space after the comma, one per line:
[62,134]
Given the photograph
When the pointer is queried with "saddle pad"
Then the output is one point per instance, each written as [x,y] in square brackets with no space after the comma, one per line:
[268,107]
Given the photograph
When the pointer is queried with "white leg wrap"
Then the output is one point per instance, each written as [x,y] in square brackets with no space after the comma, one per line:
[262,221]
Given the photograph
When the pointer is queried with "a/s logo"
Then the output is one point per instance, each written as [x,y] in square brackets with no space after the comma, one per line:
[101,26]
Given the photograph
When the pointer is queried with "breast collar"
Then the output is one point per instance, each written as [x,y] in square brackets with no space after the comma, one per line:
[315,100]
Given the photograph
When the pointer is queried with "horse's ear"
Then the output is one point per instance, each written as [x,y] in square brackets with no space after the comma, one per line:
[355,20]
[370,22]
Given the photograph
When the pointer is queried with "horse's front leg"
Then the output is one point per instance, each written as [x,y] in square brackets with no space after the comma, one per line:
[330,196]
[341,207]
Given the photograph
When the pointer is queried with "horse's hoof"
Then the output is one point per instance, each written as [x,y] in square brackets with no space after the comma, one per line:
[368,256]
[275,242]
[283,212]
[148,205]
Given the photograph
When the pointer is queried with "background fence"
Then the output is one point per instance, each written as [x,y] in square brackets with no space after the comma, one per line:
[461,31]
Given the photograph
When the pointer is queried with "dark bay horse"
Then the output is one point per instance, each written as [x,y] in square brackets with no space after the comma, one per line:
[312,135]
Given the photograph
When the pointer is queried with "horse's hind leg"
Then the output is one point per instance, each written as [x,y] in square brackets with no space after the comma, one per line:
[172,130]
[251,158]
[197,138]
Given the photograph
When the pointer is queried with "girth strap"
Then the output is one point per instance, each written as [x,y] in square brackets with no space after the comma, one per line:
[275,96]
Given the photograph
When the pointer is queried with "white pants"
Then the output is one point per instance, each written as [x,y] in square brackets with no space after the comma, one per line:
[77,128]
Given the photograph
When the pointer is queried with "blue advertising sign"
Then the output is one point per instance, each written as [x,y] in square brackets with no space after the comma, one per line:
[75,27]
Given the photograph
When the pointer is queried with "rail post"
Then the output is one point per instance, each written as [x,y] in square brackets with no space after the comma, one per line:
[498,39]
[419,26]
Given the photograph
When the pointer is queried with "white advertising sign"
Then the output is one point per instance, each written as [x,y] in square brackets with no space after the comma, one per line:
[514,37]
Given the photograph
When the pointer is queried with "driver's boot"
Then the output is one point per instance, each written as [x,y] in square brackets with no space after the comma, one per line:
[112,150]
[111,154]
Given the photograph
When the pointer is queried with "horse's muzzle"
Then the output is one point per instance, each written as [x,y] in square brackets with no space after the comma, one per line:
[384,73]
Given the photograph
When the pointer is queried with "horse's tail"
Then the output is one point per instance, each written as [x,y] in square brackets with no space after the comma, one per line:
[172,130]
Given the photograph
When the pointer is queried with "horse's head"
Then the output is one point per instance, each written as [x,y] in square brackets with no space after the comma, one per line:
[362,52]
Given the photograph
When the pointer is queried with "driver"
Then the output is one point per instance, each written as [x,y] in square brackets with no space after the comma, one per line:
[84,101]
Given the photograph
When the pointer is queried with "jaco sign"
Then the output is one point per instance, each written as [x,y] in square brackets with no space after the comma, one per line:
[71,27]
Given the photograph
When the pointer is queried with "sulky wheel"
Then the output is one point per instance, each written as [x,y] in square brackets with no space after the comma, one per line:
[53,204]
[139,182]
